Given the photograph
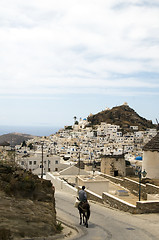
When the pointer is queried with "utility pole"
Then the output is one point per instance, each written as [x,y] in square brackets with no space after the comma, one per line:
[123,149]
[42,163]
[92,161]
[48,165]
[139,174]
[14,154]
[79,163]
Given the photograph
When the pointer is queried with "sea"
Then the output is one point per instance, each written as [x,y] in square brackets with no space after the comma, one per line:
[32,130]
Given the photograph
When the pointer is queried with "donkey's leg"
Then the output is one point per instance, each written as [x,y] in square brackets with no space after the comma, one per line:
[84,218]
[80,218]
[86,222]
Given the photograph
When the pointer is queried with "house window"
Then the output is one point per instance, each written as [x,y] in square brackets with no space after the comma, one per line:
[34,162]
[56,169]
[56,162]
[115,173]
[30,162]
[22,162]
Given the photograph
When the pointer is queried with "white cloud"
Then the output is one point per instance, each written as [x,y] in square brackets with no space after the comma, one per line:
[66,46]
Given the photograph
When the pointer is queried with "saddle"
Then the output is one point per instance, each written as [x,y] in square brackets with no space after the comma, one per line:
[83,206]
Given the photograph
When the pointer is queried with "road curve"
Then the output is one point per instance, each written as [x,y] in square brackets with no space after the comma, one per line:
[106,223]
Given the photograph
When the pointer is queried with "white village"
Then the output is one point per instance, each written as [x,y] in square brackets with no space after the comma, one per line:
[118,168]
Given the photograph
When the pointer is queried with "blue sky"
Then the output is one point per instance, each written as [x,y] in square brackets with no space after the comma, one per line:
[66,58]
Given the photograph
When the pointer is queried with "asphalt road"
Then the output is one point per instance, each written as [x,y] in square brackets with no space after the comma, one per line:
[106,223]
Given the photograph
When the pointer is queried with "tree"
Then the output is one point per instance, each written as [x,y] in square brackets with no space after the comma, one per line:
[24,144]
[68,128]
[30,146]
[75,118]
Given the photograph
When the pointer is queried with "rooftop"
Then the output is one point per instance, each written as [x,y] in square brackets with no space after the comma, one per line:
[153,144]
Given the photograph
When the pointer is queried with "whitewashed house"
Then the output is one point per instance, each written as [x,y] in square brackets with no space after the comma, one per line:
[34,163]
[151,158]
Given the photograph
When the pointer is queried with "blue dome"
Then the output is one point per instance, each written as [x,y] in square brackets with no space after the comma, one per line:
[138,158]
[85,119]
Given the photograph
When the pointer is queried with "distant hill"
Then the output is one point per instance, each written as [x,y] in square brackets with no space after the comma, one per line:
[123,115]
[15,138]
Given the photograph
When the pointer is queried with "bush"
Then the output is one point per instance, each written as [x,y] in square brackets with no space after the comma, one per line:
[59,226]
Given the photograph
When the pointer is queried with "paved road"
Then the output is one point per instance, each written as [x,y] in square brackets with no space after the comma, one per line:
[106,223]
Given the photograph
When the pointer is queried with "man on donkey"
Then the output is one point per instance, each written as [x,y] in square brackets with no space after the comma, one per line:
[83,207]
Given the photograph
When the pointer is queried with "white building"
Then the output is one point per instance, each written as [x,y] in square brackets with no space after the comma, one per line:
[151,158]
[34,163]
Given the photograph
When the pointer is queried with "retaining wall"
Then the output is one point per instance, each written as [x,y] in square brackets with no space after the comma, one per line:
[152,189]
[112,179]
[60,184]
[147,207]
[133,187]
[129,184]
[118,203]
[141,206]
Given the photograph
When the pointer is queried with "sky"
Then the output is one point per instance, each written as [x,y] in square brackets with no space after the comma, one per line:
[66,58]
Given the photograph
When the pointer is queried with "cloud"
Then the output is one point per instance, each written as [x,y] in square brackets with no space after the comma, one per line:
[63,47]
[51,88]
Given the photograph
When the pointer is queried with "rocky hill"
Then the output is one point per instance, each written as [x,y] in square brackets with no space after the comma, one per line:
[15,138]
[27,205]
[123,115]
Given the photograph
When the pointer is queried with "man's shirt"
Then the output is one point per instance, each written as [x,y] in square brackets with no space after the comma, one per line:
[82,196]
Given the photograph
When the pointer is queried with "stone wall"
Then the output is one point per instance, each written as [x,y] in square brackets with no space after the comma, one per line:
[152,189]
[133,187]
[112,179]
[147,207]
[140,208]
[118,203]
[129,184]
[113,165]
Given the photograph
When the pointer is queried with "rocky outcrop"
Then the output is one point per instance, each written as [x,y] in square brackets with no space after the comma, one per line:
[27,205]
[124,116]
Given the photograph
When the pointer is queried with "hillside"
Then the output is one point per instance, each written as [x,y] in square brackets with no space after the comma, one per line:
[124,116]
[27,206]
[15,138]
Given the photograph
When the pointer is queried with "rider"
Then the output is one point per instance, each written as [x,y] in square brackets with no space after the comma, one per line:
[82,195]
[83,206]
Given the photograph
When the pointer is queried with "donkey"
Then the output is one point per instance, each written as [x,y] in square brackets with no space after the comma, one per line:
[84,211]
